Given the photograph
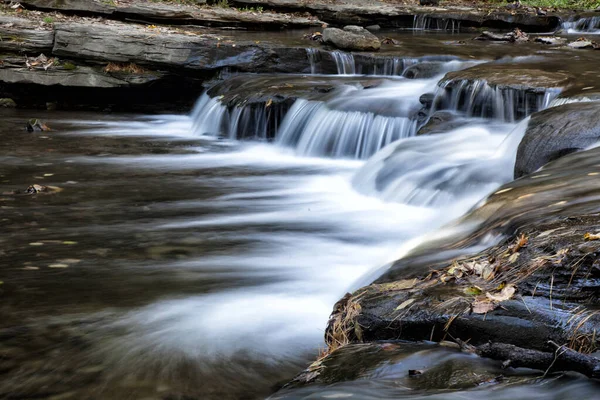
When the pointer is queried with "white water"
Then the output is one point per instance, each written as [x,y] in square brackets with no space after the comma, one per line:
[313,216]
[478,99]
[587,25]
[308,232]
[424,22]
[448,170]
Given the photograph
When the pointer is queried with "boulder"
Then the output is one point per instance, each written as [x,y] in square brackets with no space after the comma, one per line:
[506,76]
[556,132]
[353,38]
[424,70]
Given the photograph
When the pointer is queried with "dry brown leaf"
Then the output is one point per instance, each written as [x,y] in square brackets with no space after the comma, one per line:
[591,236]
[482,307]
[402,284]
[506,293]
[405,304]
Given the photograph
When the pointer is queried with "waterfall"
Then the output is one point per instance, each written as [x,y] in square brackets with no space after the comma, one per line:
[423,22]
[355,123]
[314,57]
[312,128]
[440,170]
[345,62]
[589,25]
[252,121]
[479,99]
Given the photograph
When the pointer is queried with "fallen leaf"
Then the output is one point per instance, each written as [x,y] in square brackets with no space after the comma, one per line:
[36,244]
[513,258]
[405,304]
[69,260]
[506,293]
[69,242]
[591,236]
[482,307]
[488,272]
[473,290]
[398,285]
[58,266]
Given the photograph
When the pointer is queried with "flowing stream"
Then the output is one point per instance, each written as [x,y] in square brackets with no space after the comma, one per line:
[205,266]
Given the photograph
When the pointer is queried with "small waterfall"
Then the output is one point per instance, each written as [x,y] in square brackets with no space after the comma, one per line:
[251,121]
[355,123]
[314,57]
[423,22]
[460,166]
[583,25]
[478,99]
[349,122]
[342,63]
[345,62]
[313,129]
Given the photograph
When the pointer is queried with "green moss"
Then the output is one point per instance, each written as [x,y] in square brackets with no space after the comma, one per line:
[69,66]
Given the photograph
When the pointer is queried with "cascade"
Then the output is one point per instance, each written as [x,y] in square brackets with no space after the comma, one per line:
[440,170]
[478,99]
[583,25]
[424,22]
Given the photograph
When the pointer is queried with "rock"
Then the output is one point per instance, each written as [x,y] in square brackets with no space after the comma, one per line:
[581,44]
[250,89]
[442,121]
[516,35]
[136,44]
[35,125]
[423,70]
[552,40]
[175,13]
[353,38]
[17,34]
[556,132]
[7,103]
[373,28]
[511,76]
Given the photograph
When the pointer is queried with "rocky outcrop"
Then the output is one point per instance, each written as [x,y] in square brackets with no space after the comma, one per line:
[539,283]
[18,35]
[352,38]
[556,132]
[387,15]
[248,89]
[152,12]
[510,76]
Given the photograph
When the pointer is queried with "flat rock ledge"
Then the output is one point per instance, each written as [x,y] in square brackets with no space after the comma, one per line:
[341,13]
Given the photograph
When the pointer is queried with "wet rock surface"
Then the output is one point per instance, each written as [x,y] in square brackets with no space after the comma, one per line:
[441,122]
[520,77]
[538,284]
[352,38]
[556,132]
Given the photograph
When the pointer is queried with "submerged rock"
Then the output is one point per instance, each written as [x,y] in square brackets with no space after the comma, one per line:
[556,132]
[582,44]
[353,38]
[443,121]
[7,103]
[515,36]
[551,40]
